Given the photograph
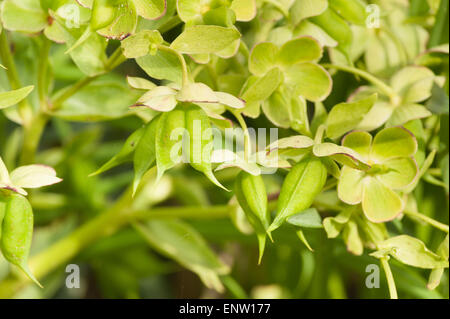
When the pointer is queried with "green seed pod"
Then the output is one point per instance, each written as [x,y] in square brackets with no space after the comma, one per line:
[169,136]
[145,154]
[353,11]
[103,13]
[2,212]
[252,197]
[17,232]
[200,141]
[303,183]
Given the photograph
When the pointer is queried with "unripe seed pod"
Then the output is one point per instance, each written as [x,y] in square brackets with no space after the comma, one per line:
[17,232]
[251,194]
[303,183]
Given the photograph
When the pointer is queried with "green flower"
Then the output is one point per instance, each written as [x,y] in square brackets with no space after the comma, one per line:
[283,79]
[392,168]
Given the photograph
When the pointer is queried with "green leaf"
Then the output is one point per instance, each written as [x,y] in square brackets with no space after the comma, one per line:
[413,252]
[345,117]
[124,154]
[303,183]
[201,39]
[350,185]
[309,80]
[89,56]
[380,204]
[393,142]
[102,99]
[162,66]
[141,43]
[24,15]
[302,49]
[145,154]
[309,218]
[182,243]
[11,98]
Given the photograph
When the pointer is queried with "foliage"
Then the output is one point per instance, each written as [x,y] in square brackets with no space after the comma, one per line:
[132,102]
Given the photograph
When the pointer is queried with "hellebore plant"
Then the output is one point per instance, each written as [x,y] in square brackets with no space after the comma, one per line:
[156,115]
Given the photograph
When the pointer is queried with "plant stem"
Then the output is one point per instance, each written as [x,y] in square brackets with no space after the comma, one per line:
[114,60]
[13,77]
[369,77]
[184,69]
[170,24]
[428,220]
[31,138]
[42,73]
[389,278]
[247,141]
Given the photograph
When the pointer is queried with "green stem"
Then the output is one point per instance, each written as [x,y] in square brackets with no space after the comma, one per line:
[42,73]
[170,24]
[114,60]
[389,278]
[184,69]
[31,138]
[428,220]
[247,141]
[25,110]
[369,77]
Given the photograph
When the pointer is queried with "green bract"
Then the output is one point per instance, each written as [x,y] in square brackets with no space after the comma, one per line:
[392,168]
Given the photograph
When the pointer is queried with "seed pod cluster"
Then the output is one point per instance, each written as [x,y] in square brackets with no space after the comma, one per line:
[181,135]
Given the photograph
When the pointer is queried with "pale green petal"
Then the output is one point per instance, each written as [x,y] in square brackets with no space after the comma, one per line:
[360,142]
[309,80]
[350,186]
[380,204]
[34,176]
[402,172]
[393,142]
